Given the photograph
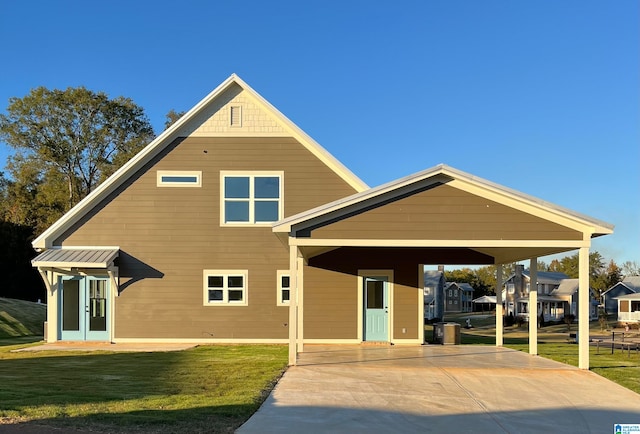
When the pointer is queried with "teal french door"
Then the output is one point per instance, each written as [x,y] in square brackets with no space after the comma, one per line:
[84,308]
[376,308]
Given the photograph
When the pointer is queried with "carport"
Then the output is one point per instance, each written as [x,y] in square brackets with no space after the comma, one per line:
[439,216]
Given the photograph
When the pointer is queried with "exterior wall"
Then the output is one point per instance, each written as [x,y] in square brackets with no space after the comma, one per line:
[331,298]
[610,301]
[450,214]
[168,236]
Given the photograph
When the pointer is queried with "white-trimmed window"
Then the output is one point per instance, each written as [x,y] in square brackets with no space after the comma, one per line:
[225,287]
[179,178]
[511,288]
[250,198]
[284,287]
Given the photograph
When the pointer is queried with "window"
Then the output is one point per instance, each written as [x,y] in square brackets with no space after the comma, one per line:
[172,178]
[511,288]
[284,288]
[455,292]
[251,198]
[225,287]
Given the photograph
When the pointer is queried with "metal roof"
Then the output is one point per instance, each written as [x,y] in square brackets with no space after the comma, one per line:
[79,258]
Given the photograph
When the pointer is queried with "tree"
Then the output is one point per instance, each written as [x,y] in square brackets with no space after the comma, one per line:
[81,135]
[172,118]
[630,268]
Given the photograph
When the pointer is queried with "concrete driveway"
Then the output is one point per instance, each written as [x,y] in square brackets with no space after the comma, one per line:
[439,389]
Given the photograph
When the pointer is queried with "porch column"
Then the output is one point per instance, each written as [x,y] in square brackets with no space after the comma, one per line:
[583,308]
[293,303]
[533,306]
[421,303]
[499,310]
[300,294]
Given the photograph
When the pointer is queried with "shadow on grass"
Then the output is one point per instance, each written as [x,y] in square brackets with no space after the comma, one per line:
[187,389]
[211,419]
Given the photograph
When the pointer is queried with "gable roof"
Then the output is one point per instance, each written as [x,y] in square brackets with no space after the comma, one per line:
[163,140]
[433,278]
[502,250]
[444,173]
[463,286]
[567,287]
[631,284]
[548,277]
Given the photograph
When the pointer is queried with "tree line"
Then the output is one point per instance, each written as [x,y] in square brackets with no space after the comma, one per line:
[66,142]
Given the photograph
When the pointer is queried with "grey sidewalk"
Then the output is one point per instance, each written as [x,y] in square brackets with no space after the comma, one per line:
[439,389]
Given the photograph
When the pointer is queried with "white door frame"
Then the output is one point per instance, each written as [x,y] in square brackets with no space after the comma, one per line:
[361,275]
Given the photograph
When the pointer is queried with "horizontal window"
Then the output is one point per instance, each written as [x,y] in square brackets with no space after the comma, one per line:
[284,288]
[225,287]
[171,178]
[250,198]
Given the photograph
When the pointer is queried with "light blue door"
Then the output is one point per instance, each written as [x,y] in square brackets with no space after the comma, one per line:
[84,308]
[376,308]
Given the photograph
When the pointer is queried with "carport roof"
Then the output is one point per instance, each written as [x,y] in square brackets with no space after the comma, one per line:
[501,250]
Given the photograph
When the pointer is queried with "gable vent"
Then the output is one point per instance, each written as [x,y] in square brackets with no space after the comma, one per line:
[236,116]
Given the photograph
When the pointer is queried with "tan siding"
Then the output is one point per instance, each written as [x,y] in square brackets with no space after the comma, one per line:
[445,212]
[330,304]
[168,236]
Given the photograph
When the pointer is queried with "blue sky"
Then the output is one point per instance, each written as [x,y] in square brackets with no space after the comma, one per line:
[541,96]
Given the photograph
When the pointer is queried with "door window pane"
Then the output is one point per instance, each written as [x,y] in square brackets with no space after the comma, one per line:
[236,295]
[97,305]
[71,305]
[375,294]
[215,281]
[215,295]
[236,281]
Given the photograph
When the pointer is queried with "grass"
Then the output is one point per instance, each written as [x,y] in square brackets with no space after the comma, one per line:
[21,318]
[554,343]
[205,389]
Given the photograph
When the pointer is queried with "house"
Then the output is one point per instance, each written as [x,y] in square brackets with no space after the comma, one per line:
[517,286]
[434,301]
[629,308]
[564,300]
[235,226]
[629,285]
[458,297]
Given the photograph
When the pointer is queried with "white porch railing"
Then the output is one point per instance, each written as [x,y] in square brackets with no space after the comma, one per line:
[629,316]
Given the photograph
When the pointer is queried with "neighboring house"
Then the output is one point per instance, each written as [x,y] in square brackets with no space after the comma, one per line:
[434,293]
[629,285]
[235,226]
[486,303]
[517,286]
[557,295]
[458,297]
[629,308]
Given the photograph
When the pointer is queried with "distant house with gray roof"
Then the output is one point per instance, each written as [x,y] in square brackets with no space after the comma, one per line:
[629,285]
[434,282]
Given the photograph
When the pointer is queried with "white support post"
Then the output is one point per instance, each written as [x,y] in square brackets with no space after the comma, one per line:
[421,303]
[583,308]
[300,294]
[499,310]
[293,304]
[533,306]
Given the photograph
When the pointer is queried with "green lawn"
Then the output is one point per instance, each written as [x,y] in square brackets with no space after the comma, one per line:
[21,318]
[554,343]
[205,389]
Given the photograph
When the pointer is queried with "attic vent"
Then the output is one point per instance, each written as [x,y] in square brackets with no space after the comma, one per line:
[236,116]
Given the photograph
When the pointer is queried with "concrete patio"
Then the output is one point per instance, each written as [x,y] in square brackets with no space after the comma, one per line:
[434,388]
